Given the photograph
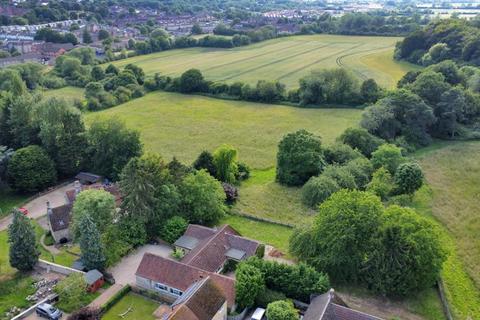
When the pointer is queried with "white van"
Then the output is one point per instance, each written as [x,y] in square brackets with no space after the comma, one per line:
[258,314]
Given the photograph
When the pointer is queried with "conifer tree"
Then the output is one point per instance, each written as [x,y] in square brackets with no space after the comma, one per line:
[92,251]
[23,248]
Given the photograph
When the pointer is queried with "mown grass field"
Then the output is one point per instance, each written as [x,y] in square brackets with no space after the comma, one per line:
[184,125]
[453,174]
[284,59]
[70,94]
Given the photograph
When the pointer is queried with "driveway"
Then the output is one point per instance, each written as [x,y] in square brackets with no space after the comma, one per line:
[38,206]
[124,271]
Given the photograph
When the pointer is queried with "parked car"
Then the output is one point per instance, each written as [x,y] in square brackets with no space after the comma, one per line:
[23,210]
[48,311]
[258,314]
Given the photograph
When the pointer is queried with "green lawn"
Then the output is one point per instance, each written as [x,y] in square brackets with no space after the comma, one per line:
[453,173]
[142,308]
[285,59]
[68,93]
[14,291]
[9,200]
[268,233]
[184,125]
[261,196]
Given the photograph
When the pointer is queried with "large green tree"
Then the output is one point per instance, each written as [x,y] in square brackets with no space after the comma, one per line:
[203,198]
[30,169]
[408,256]
[361,140]
[342,236]
[408,178]
[149,194]
[93,255]
[110,146]
[225,161]
[23,247]
[299,157]
[98,204]
[388,156]
[62,133]
[249,283]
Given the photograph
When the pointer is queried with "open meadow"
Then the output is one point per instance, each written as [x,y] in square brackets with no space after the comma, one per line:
[285,59]
[185,125]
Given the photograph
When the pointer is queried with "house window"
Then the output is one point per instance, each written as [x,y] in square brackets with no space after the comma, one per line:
[176,292]
[161,287]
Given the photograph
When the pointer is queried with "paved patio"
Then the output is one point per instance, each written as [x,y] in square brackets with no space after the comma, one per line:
[124,271]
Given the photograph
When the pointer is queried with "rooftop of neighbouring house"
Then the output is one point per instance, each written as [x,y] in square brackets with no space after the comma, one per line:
[211,247]
[329,306]
[59,217]
[201,301]
[182,276]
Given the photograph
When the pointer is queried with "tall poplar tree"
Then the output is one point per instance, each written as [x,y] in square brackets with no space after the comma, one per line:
[23,248]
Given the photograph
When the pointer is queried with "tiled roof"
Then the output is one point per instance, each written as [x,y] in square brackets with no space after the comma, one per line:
[329,306]
[60,217]
[181,276]
[203,303]
[210,253]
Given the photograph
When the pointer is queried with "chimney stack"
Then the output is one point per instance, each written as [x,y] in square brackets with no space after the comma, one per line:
[49,208]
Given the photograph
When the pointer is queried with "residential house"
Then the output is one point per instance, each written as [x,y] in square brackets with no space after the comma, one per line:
[204,300]
[59,217]
[59,222]
[210,248]
[329,306]
[172,279]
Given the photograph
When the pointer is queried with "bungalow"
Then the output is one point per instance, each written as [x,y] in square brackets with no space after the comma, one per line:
[210,248]
[202,301]
[329,306]
[172,279]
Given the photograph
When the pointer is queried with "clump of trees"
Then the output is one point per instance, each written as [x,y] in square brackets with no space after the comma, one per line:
[294,281]
[441,101]
[393,251]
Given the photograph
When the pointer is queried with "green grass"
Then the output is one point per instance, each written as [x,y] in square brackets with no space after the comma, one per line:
[14,291]
[70,94]
[9,200]
[263,197]
[184,125]
[267,233]
[142,308]
[284,59]
[453,171]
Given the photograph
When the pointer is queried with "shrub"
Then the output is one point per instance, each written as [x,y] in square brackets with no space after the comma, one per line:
[260,253]
[388,156]
[71,292]
[191,81]
[225,161]
[243,172]
[361,140]
[249,283]
[361,170]
[281,310]
[53,82]
[340,153]
[205,161]
[115,298]
[173,229]
[341,175]
[318,189]
[31,169]
[268,296]
[48,240]
[408,178]
[86,313]
[299,157]
[231,192]
[381,184]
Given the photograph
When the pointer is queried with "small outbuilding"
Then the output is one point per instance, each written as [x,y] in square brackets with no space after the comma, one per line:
[94,280]
[87,178]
